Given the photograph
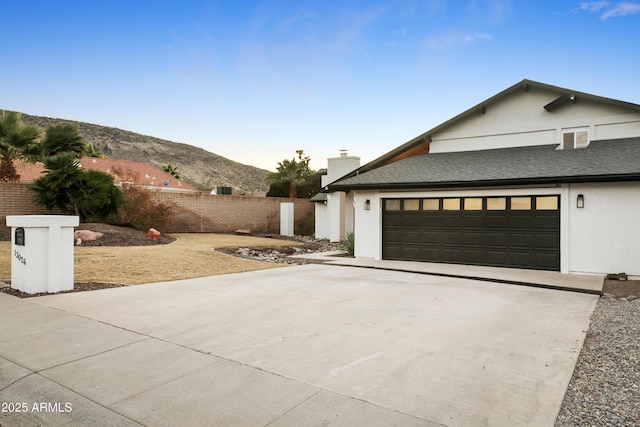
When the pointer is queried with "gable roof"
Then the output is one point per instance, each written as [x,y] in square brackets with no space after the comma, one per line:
[139,173]
[414,146]
[605,160]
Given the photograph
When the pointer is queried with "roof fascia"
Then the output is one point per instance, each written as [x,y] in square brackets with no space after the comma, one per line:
[490,183]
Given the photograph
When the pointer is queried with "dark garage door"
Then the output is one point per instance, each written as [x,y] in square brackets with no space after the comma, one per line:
[511,231]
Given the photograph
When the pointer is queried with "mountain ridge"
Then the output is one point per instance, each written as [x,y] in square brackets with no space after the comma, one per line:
[203,169]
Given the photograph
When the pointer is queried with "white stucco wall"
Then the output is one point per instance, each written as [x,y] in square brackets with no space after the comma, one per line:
[520,120]
[605,234]
[368,226]
[321,221]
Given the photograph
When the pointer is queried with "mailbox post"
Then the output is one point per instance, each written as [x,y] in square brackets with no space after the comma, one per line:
[42,252]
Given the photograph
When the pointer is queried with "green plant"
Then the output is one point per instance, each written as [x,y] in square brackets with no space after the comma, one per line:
[62,138]
[348,244]
[140,211]
[292,177]
[17,141]
[90,194]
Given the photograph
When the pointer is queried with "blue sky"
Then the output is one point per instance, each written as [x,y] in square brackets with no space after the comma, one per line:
[256,80]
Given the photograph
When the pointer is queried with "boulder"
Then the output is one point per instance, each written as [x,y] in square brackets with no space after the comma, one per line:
[153,234]
[86,236]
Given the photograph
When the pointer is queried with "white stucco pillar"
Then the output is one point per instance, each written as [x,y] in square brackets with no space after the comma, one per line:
[286,219]
[335,210]
[42,252]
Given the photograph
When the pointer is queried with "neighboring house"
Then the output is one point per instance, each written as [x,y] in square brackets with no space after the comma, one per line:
[334,213]
[536,177]
[123,171]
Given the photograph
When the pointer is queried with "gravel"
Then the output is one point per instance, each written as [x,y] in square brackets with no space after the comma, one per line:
[605,387]
[280,254]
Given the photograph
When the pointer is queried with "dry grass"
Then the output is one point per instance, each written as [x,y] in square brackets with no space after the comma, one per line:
[192,255]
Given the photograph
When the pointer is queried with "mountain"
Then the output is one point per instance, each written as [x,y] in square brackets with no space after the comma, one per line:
[196,166]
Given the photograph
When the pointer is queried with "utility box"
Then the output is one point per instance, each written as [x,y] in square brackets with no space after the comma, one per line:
[42,252]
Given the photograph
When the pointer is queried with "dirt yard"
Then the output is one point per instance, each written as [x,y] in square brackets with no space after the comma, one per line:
[124,256]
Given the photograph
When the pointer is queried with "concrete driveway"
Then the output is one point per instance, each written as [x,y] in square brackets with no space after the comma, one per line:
[296,346]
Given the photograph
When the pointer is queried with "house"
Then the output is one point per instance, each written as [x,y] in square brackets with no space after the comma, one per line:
[123,171]
[334,212]
[537,177]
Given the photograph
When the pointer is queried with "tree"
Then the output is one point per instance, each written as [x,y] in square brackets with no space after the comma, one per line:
[62,138]
[171,170]
[90,194]
[58,187]
[292,174]
[17,141]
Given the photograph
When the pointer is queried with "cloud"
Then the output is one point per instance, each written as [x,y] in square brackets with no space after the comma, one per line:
[481,37]
[609,10]
[451,39]
[592,6]
[621,9]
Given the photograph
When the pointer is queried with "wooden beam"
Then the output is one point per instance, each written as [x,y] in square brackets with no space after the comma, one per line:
[559,101]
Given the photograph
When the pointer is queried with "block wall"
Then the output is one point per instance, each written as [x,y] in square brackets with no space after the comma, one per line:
[194,212]
[203,212]
[17,199]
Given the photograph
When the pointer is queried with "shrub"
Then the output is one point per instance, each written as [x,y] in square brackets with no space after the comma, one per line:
[90,194]
[141,212]
[348,244]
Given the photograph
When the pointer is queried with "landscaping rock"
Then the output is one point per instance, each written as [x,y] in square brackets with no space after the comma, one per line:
[86,236]
[152,234]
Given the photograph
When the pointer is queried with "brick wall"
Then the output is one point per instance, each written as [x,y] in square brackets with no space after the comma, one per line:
[17,199]
[195,212]
[202,212]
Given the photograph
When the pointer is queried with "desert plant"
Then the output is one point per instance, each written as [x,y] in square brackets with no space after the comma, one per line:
[17,141]
[140,211]
[171,170]
[62,138]
[90,194]
[348,244]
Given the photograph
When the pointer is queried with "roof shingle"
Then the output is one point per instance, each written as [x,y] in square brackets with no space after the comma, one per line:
[601,161]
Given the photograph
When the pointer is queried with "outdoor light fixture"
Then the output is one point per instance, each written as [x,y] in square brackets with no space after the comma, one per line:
[367,205]
[580,201]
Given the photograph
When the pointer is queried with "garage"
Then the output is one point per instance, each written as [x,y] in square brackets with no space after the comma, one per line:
[500,231]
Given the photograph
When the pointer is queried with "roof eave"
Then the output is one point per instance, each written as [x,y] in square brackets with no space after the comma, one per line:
[490,183]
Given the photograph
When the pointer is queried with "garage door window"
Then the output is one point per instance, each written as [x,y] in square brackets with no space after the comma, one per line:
[496,203]
[549,203]
[451,204]
[473,204]
[392,205]
[411,205]
[521,203]
[431,204]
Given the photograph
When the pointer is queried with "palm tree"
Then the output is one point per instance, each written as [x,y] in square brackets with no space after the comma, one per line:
[292,173]
[17,141]
[62,138]
[58,187]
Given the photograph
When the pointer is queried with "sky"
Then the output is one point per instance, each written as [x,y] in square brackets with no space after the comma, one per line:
[254,81]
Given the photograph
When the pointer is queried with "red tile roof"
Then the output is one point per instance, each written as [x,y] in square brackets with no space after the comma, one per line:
[122,171]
